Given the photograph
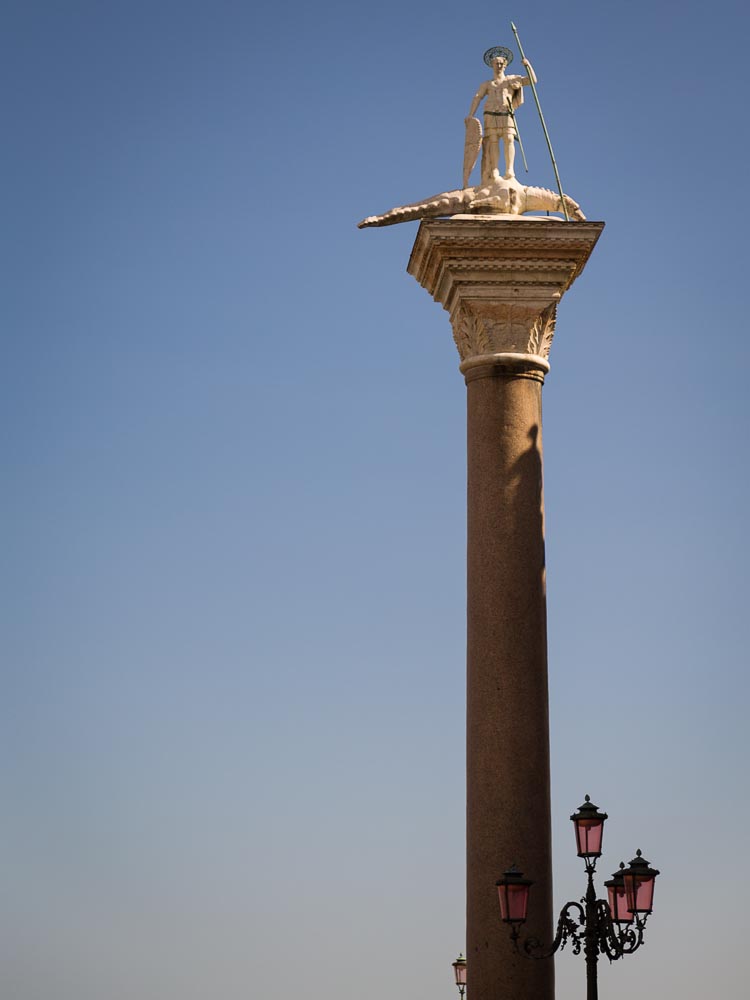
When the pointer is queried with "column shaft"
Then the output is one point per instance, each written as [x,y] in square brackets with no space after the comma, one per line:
[508,782]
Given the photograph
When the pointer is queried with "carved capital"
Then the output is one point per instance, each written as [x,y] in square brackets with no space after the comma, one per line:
[484,330]
[501,281]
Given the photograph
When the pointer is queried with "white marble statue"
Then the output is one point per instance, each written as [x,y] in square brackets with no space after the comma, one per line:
[502,95]
[499,197]
[496,193]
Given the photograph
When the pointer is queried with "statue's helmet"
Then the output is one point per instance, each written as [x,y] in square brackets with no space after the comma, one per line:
[498,50]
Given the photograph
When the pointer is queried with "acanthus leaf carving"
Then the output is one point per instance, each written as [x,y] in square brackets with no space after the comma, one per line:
[542,332]
[484,328]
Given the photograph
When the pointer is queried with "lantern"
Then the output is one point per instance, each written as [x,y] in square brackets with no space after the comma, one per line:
[513,890]
[589,825]
[618,903]
[639,880]
[459,971]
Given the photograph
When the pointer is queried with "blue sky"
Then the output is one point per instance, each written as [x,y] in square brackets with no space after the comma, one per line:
[234,454]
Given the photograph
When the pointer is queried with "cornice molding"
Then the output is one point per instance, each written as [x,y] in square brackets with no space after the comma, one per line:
[501,281]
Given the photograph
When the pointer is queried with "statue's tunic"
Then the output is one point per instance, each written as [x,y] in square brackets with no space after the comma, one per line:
[498,123]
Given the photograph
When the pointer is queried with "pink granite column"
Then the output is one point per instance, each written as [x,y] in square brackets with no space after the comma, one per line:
[501,280]
[507,738]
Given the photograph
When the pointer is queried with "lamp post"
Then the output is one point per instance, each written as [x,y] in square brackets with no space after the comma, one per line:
[459,971]
[613,928]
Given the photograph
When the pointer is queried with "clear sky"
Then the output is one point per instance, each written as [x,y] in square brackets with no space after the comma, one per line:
[234,492]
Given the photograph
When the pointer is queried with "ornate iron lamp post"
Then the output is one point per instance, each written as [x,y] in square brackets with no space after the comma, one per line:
[459,971]
[613,928]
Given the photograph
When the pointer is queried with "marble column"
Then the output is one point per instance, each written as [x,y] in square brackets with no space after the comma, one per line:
[501,279]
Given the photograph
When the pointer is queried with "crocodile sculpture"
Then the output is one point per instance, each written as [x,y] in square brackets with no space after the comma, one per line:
[502,196]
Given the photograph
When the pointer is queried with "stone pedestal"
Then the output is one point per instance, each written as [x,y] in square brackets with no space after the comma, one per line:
[501,280]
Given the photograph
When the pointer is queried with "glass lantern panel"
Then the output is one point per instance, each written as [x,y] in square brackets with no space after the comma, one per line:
[518,899]
[589,836]
[640,893]
[460,970]
[618,905]
[502,893]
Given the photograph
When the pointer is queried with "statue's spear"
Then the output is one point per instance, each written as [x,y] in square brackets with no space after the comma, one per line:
[544,126]
[518,134]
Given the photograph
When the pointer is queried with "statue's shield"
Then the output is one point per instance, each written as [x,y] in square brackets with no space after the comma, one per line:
[472,145]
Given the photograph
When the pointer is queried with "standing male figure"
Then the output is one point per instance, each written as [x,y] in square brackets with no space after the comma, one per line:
[503,94]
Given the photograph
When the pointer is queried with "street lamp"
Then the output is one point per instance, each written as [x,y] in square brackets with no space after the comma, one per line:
[639,885]
[513,890]
[589,827]
[618,898]
[459,971]
[613,928]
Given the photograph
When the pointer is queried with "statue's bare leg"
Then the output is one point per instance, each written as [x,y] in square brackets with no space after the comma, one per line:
[490,157]
[493,149]
[510,157]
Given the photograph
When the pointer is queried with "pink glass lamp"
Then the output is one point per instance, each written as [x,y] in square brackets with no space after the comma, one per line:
[639,878]
[513,890]
[589,827]
[618,898]
[459,971]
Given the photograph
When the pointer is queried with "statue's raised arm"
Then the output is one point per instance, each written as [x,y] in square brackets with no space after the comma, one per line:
[532,77]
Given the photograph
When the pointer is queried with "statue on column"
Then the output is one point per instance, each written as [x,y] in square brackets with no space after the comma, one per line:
[503,95]
[496,193]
